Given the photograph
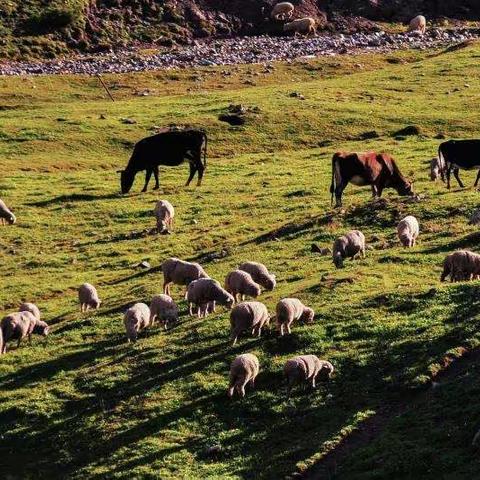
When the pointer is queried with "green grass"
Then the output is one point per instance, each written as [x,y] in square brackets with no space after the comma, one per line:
[85,404]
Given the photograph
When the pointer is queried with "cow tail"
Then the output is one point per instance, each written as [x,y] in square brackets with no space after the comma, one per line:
[333,185]
[441,158]
[205,151]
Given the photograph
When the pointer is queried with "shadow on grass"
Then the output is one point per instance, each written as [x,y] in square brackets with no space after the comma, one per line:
[74,197]
[471,241]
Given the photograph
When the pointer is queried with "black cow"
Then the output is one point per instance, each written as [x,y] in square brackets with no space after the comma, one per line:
[169,148]
[459,154]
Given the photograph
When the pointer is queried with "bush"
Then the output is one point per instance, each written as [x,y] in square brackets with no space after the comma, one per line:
[50,20]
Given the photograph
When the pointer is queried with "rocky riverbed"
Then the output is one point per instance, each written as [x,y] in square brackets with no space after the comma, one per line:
[239,50]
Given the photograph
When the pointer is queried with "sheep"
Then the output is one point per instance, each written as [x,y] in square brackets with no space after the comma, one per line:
[348,246]
[164,308]
[418,24]
[30,307]
[205,293]
[243,370]
[19,325]
[282,11]
[461,265]
[408,231]
[305,368]
[241,283]
[436,169]
[136,319]
[6,215]
[260,274]
[301,25]
[88,297]
[475,218]
[164,213]
[248,316]
[180,272]
[290,309]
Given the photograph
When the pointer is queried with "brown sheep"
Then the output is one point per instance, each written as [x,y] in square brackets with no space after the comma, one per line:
[461,265]
[260,274]
[241,283]
[88,297]
[305,25]
[180,272]
[244,369]
[305,368]
[165,309]
[251,316]
[136,319]
[19,325]
[205,293]
[418,24]
[290,309]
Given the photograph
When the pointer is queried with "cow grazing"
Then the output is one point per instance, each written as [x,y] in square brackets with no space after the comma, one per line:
[376,169]
[459,154]
[169,148]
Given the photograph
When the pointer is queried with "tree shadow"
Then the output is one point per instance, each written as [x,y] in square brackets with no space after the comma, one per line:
[72,198]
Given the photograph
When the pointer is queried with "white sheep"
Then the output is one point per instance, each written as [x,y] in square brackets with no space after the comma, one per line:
[251,316]
[6,215]
[164,214]
[289,310]
[436,169]
[30,307]
[348,246]
[305,368]
[163,308]
[88,297]
[243,370]
[418,24]
[180,272]
[241,283]
[305,25]
[136,319]
[282,11]
[408,231]
[260,274]
[205,293]
[19,325]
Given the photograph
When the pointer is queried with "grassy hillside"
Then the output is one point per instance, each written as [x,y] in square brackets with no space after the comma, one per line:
[85,404]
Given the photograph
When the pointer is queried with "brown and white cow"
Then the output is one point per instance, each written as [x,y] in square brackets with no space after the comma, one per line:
[376,169]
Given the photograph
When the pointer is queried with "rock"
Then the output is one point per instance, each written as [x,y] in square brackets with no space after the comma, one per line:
[143,264]
[407,131]
[368,135]
[102,116]
[232,119]
[213,450]
[128,121]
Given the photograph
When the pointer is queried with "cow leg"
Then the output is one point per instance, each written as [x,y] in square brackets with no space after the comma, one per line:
[147,179]
[478,178]
[338,194]
[449,171]
[193,170]
[374,191]
[200,169]
[457,176]
[155,174]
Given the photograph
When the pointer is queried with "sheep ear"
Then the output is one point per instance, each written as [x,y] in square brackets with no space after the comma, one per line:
[120,171]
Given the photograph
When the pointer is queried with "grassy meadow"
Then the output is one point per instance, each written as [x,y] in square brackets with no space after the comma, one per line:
[85,404]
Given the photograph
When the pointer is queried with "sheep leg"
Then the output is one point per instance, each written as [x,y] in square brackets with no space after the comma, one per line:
[288,329]
[148,175]
[199,311]
[155,174]
[165,288]
[457,177]
[30,339]
[234,337]
[190,309]
[281,330]
[19,342]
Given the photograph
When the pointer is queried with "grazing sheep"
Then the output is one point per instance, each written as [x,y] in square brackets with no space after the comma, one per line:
[305,368]
[180,272]
[244,369]
[436,169]
[6,215]
[205,293]
[475,218]
[290,309]
[301,25]
[136,319]
[418,24]
[260,274]
[164,213]
[164,308]
[461,265]
[348,246]
[88,297]
[19,325]
[282,11]
[248,316]
[30,307]
[408,231]
[241,283]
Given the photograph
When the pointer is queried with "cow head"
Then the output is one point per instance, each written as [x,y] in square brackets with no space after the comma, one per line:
[405,188]
[126,180]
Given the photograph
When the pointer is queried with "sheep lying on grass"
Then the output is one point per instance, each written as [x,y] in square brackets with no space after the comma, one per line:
[205,293]
[408,230]
[305,369]
[290,309]
[19,325]
[163,308]
[241,283]
[180,272]
[251,316]
[6,215]
[260,274]
[348,246]
[136,319]
[164,214]
[88,297]
[243,370]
